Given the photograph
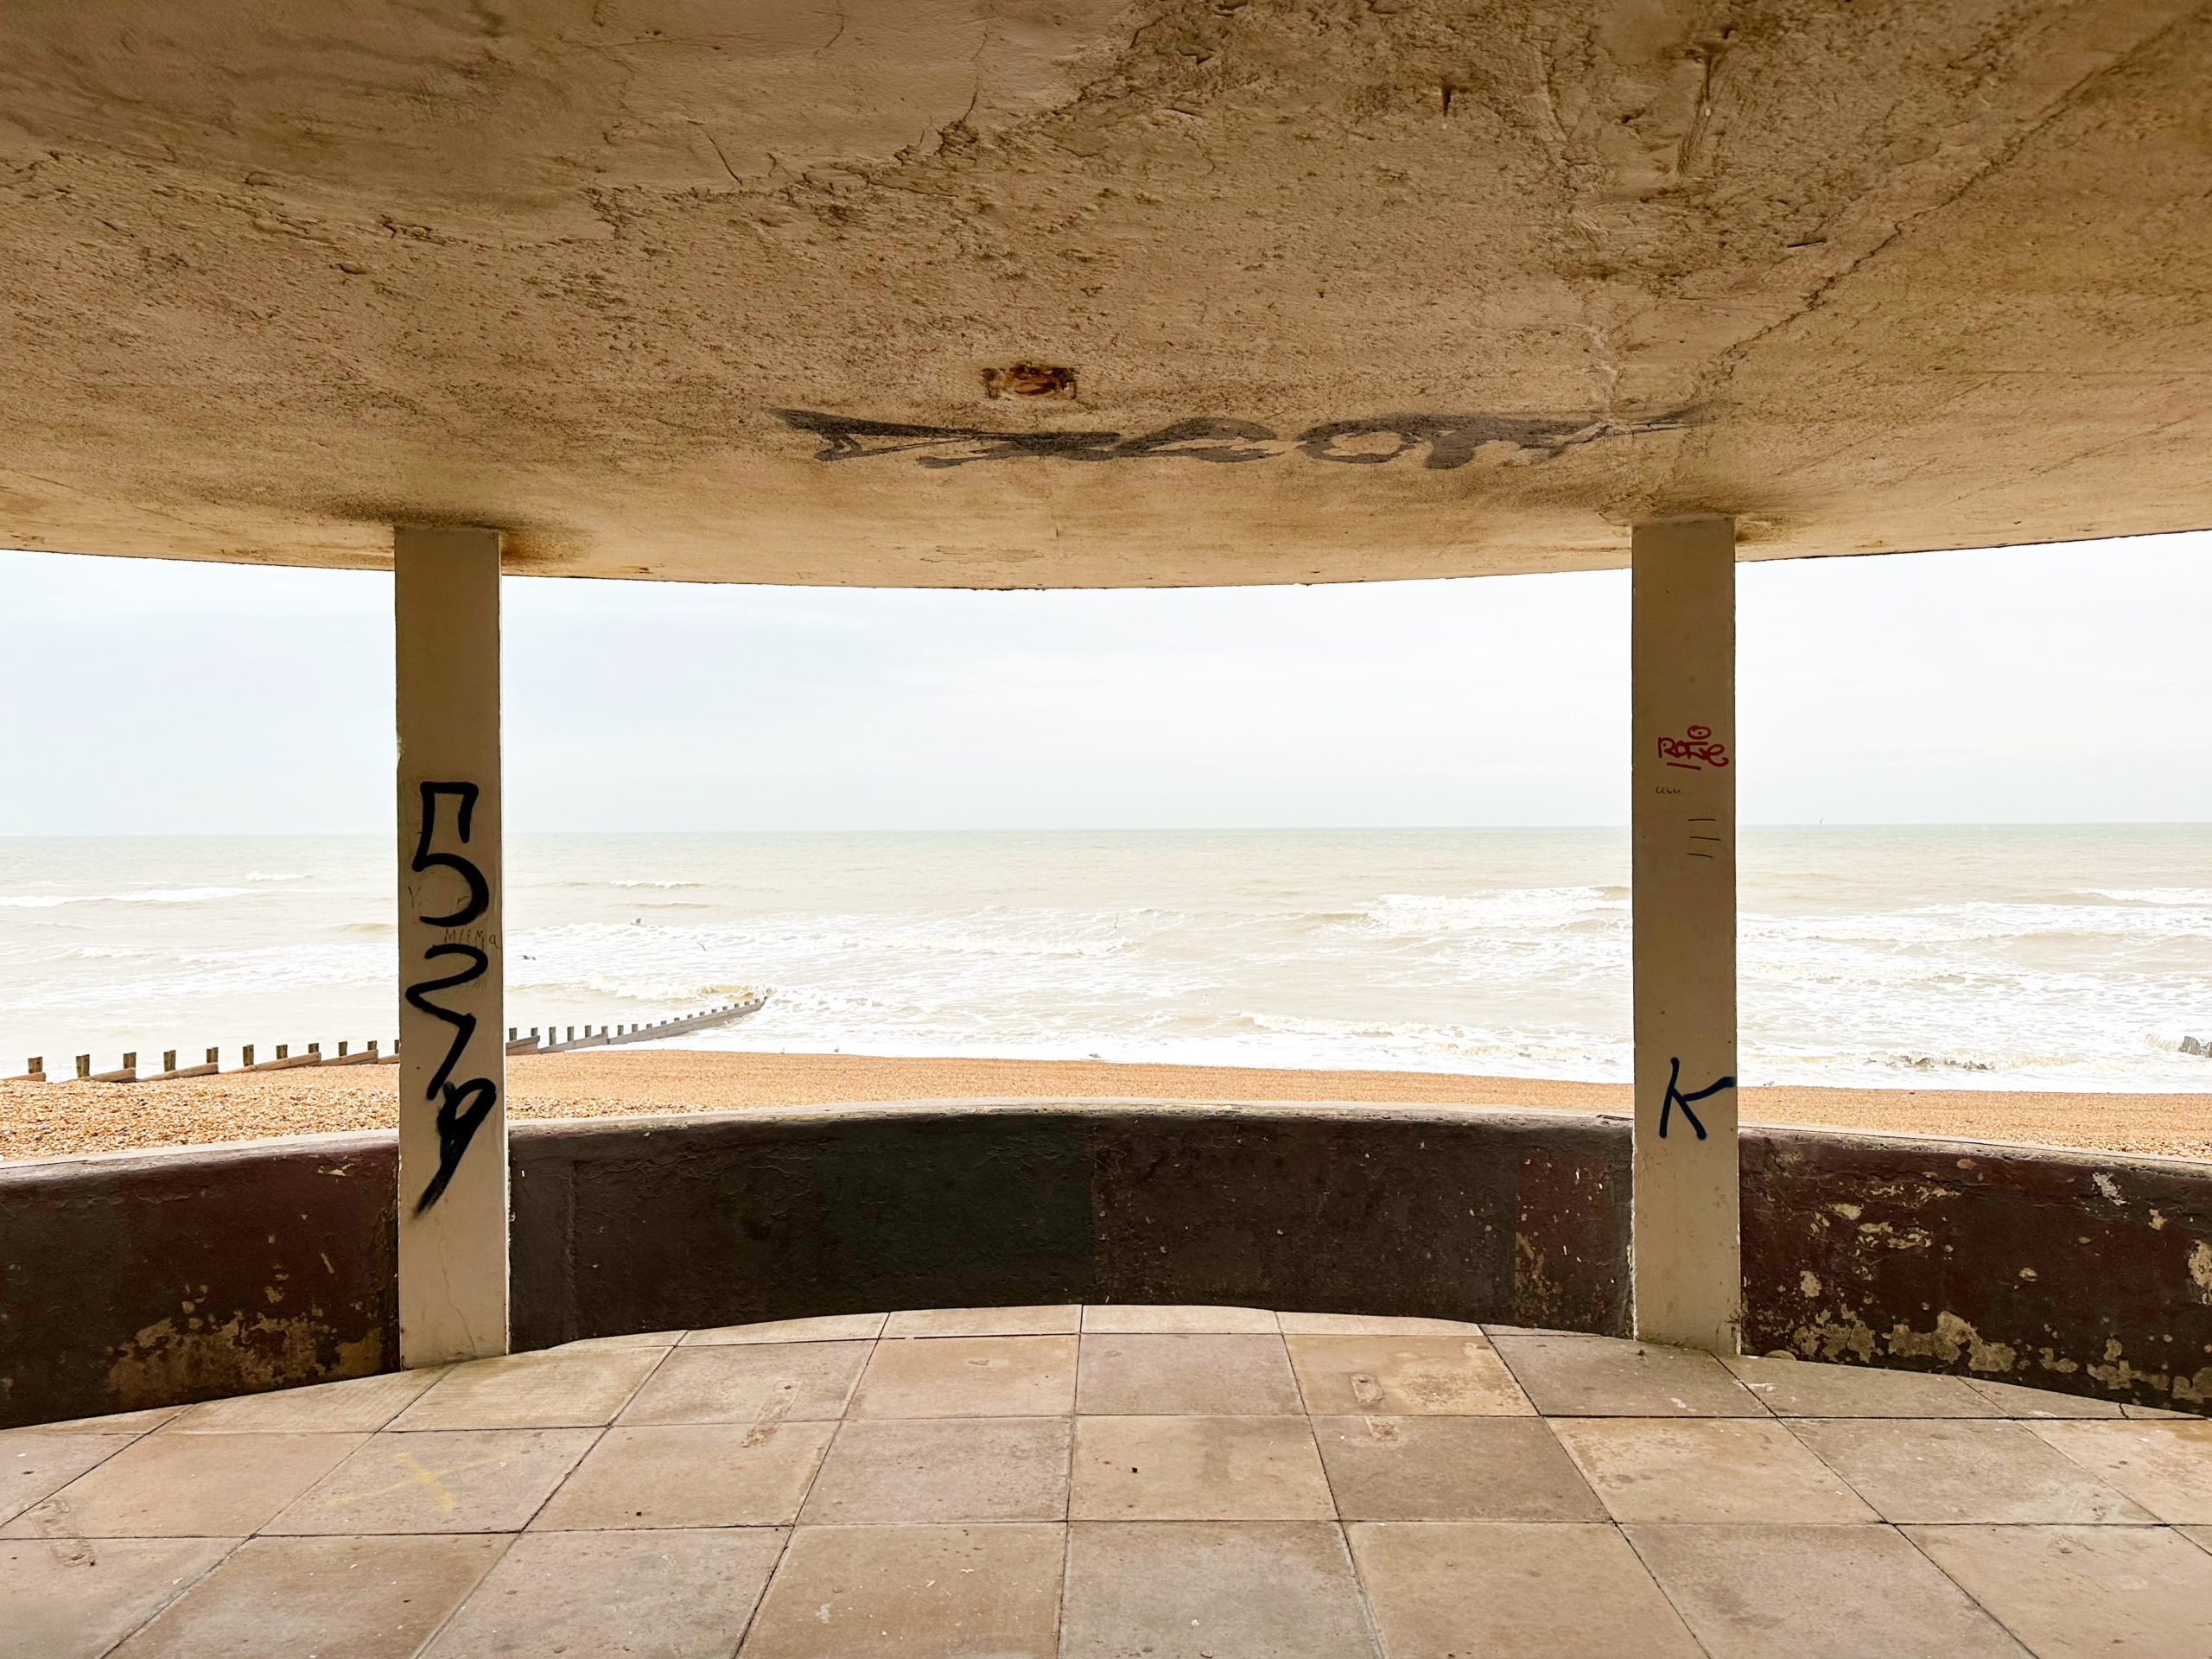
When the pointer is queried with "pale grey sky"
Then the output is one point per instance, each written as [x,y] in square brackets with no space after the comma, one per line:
[2065,683]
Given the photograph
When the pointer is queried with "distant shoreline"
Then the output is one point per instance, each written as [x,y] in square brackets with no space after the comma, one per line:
[55,1120]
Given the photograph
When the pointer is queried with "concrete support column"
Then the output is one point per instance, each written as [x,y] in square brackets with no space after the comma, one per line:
[1688,1276]
[453,1076]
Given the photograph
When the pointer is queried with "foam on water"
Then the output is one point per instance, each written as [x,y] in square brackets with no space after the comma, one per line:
[2009,957]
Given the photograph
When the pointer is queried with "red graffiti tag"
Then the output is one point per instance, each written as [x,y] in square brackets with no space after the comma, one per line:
[1694,751]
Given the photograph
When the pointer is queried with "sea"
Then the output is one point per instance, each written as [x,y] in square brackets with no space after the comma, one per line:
[2017,956]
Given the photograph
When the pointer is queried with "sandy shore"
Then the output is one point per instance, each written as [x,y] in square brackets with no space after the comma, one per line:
[48,1120]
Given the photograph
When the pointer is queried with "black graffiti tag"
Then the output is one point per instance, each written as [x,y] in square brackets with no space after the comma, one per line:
[1447,441]
[463,1106]
[1676,1097]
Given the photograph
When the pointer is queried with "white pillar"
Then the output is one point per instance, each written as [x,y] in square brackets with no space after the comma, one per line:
[1687,1271]
[453,1076]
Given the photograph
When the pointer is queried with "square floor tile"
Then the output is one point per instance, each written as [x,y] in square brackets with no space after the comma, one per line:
[1469,1590]
[2159,1414]
[359,1405]
[1061,1318]
[914,1592]
[1815,1593]
[668,1594]
[2071,1593]
[1130,1318]
[1803,1388]
[628,1340]
[2166,1467]
[1705,1468]
[447,1480]
[689,1475]
[760,1384]
[75,1599]
[330,1598]
[187,1485]
[969,1377]
[1962,1471]
[2013,1400]
[1207,1590]
[937,1469]
[117,1422]
[1405,1377]
[830,1327]
[571,1390]
[1186,1376]
[1607,1376]
[32,1466]
[1197,1469]
[1451,1469]
[1372,1325]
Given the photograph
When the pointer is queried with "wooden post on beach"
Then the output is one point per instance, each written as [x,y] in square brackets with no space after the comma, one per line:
[452,1078]
[1687,1272]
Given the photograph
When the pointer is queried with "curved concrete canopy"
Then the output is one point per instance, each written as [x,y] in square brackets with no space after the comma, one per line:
[1342,290]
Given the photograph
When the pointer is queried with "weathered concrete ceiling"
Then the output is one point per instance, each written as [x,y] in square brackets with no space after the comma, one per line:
[1349,288]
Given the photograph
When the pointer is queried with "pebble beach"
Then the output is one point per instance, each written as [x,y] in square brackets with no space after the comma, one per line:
[60,1119]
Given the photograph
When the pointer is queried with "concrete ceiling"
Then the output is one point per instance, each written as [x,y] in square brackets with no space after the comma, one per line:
[776,291]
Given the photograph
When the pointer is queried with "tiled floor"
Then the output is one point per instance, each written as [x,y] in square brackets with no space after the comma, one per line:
[1114,1483]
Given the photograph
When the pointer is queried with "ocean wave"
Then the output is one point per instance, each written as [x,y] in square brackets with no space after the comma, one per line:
[143,896]
[260,875]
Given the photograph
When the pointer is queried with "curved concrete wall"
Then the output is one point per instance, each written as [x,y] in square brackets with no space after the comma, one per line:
[135,1279]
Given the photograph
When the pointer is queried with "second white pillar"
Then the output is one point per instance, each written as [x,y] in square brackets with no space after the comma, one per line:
[1688,1274]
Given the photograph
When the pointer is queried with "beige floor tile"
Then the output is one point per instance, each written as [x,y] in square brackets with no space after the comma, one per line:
[1451,1469]
[1799,1388]
[2013,1400]
[690,1475]
[1606,1377]
[1710,1469]
[67,1600]
[2201,1536]
[2159,1414]
[914,1592]
[1962,1470]
[1405,1377]
[2164,1466]
[628,1339]
[1815,1593]
[1130,1318]
[1373,1324]
[32,1466]
[1058,1319]
[830,1327]
[359,1405]
[1209,1590]
[187,1485]
[667,1594]
[1186,1376]
[1470,1590]
[441,1480]
[2071,1593]
[942,1469]
[1197,1469]
[120,1422]
[327,1598]
[757,1384]
[571,1390]
[968,1376]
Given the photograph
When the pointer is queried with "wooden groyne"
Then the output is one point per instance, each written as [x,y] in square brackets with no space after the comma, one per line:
[607,1036]
[374,1054]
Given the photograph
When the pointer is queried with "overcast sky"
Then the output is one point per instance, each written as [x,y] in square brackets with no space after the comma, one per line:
[2067,683]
